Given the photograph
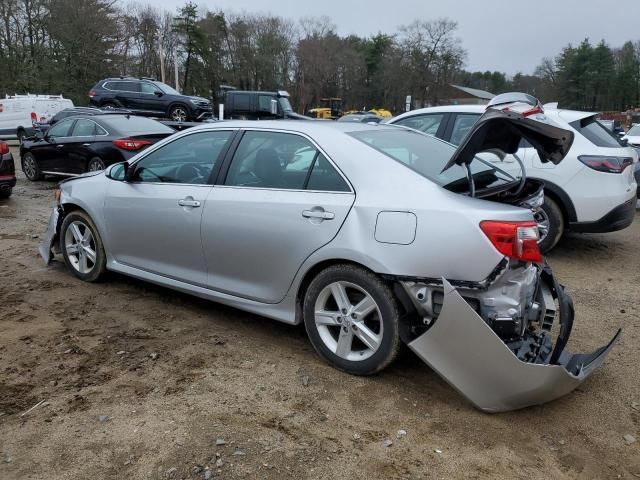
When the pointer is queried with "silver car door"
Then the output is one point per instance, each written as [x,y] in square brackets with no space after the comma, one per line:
[282,199]
[153,218]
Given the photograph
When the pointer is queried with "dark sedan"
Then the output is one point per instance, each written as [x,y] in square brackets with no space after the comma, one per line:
[80,144]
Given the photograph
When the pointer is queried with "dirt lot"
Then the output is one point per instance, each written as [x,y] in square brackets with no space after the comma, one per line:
[142,382]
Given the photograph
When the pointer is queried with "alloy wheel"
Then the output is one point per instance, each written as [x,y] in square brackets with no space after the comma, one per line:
[544,224]
[80,247]
[348,321]
[179,114]
[95,165]
[29,166]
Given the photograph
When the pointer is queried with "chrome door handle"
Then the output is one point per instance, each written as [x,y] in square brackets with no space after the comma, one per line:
[188,203]
[60,146]
[321,214]
[86,144]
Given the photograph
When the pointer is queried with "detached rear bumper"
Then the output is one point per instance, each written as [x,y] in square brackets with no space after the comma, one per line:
[49,240]
[466,353]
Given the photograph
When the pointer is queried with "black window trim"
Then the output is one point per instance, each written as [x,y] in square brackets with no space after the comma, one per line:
[222,176]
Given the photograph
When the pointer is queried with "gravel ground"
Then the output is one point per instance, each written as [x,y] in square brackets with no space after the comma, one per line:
[142,382]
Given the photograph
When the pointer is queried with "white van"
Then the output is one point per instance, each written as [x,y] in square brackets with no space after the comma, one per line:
[18,113]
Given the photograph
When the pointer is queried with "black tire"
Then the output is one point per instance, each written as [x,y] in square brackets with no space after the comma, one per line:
[30,167]
[552,211]
[21,134]
[179,113]
[6,193]
[97,270]
[95,164]
[389,344]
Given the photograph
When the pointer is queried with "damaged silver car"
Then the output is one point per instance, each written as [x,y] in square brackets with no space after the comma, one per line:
[372,235]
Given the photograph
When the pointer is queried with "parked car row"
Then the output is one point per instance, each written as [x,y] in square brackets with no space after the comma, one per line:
[592,190]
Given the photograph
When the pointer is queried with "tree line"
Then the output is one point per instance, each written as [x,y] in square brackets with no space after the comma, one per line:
[65,46]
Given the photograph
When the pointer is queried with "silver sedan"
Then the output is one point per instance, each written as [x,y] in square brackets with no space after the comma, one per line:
[372,235]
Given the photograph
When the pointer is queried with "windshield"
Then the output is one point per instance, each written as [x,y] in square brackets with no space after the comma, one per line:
[166,88]
[634,131]
[427,156]
[285,105]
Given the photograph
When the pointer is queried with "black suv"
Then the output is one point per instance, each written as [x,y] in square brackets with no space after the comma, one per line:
[145,96]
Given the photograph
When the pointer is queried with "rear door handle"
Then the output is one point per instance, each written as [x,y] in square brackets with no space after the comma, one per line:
[60,146]
[189,202]
[321,214]
[86,144]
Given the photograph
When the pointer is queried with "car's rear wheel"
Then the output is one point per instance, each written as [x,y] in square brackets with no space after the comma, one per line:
[179,113]
[351,318]
[95,165]
[550,224]
[21,134]
[82,247]
[30,167]
[6,192]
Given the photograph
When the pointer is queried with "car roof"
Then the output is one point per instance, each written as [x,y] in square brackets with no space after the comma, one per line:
[308,127]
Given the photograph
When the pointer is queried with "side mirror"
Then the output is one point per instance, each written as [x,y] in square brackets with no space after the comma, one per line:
[624,142]
[118,172]
[158,93]
[274,107]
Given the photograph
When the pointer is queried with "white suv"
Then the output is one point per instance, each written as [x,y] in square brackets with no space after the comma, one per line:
[592,190]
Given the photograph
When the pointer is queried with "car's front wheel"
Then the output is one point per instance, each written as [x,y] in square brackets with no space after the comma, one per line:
[351,317]
[82,247]
[550,224]
[30,167]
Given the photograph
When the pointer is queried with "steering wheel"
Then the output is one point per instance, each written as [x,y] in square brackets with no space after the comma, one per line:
[192,173]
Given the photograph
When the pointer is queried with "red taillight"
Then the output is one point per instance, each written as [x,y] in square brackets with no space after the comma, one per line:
[4,148]
[606,164]
[131,145]
[518,240]
[34,118]
[92,93]
[527,113]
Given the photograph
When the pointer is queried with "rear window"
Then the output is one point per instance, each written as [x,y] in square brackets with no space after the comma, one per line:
[427,156]
[131,125]
[634,131]
[596,133]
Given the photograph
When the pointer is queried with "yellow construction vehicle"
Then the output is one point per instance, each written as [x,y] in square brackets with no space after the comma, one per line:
[381,112]
[331,109]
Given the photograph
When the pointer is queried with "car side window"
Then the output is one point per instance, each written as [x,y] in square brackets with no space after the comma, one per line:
[283,161]
[84,128]
[462,125]
[188,160]
[428,123]
[60,129]
[147,88]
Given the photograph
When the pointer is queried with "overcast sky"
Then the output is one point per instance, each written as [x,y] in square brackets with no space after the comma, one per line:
[506,35]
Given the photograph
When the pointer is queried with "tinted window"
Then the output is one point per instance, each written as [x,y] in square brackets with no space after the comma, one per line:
[188,159]
[461,126]
[148,88]
[428,124]
[241,102]
[84,128]
[596,133]
[428,156]
[282,160]
[60,129]
[123,86]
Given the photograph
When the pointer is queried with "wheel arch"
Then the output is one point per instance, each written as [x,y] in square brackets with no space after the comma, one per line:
[558,195]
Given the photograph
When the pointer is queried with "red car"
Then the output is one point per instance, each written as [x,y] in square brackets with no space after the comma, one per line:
[7,171]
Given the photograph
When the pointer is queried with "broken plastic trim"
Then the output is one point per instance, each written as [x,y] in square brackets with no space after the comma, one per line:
[503,131]
[467,354]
